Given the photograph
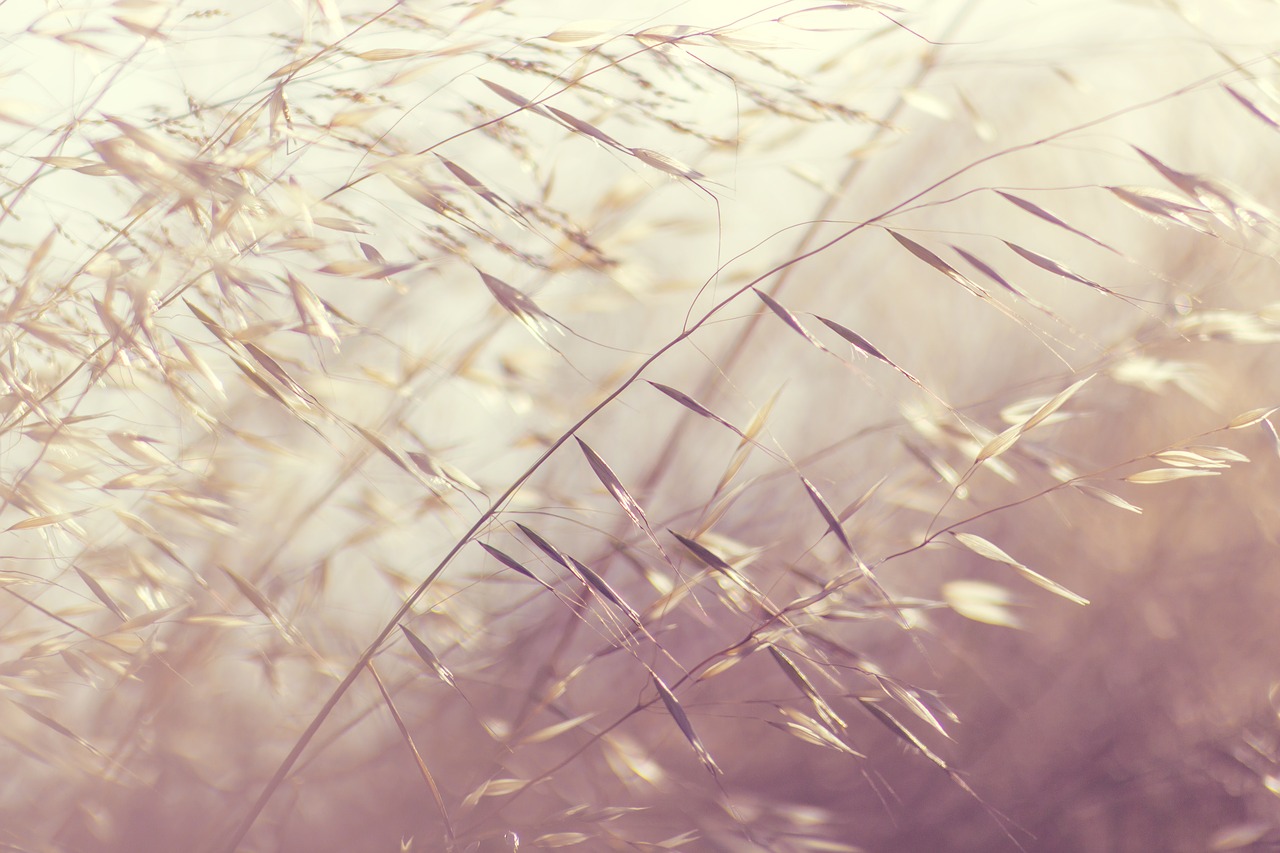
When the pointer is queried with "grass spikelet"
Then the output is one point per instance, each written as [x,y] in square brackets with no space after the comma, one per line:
[790,319]
[511,563]
[619,492]
[833,523]
[676,710]
[696,407]
[983,548]
[937,263]
[793,673]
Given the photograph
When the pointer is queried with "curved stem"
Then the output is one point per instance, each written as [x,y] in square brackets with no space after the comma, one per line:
[485,518]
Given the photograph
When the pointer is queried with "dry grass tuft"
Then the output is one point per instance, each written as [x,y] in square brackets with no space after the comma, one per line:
[465,427]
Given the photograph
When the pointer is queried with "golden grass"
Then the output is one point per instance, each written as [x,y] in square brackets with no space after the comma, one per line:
[470,428]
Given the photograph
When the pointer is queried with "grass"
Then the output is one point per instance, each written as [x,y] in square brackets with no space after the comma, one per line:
[461,427]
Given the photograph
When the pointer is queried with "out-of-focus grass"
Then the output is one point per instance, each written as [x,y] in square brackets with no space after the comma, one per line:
[466,427]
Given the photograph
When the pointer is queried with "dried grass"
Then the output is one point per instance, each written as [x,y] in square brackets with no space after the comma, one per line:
[306,304]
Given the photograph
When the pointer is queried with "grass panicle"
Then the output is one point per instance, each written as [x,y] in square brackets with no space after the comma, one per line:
[339,511]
